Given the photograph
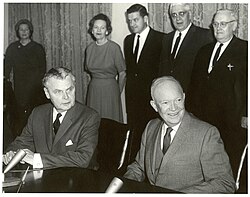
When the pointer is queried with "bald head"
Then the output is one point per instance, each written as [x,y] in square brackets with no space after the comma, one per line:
[166,82]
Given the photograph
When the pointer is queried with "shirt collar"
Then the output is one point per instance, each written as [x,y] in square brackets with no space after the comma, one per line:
[176,127]
[184,32]
[144,33]
[55,112]
[225,43]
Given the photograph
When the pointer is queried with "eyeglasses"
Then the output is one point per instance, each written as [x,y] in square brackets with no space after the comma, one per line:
[180,14]
[222,24]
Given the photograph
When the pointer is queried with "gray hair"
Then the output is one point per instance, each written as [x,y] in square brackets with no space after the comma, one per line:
[59,73]
[161,80]
[187,6]
[229,12]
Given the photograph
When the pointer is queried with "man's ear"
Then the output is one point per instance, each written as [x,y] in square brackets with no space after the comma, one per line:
[152,103]
[234,26]
[46,92]
[145,19]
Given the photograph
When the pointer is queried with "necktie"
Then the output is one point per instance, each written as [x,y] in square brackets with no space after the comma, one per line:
[166,140]
[57,123]
[177,41]
[137,48]
[217,54]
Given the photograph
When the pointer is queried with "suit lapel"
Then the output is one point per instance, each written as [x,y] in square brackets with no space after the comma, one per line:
[224,56]
[186,40]
[130,45]
[179,138]
[153,149]
[227,52]
[147,44]
[49,127]
[66,123]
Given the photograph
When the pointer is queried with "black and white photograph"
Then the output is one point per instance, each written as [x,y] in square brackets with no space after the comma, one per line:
[124,97]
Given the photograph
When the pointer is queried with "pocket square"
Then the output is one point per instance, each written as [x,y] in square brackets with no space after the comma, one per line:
[69,143]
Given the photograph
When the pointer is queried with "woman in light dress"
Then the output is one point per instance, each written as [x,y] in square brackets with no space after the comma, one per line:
[105,63]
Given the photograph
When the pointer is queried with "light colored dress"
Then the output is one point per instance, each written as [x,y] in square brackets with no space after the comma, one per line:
[104,62]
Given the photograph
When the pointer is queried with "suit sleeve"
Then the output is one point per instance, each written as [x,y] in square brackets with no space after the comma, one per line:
[25,140]
[81,156]
[216,168]
[136,170]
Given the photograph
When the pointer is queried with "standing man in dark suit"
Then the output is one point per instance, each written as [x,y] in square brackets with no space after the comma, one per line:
[142,51]
[219,84]
[180,46]
[64,133]
[179,151]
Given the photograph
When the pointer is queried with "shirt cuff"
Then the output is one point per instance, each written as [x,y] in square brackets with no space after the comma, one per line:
[37,162]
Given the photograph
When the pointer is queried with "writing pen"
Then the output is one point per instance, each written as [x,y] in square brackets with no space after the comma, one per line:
[23,179]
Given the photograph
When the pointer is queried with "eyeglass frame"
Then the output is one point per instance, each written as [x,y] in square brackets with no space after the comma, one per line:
[180,14]
[222,24]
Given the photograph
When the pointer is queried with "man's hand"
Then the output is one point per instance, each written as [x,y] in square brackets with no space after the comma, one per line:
[244,122]
[8,156]
[29,157]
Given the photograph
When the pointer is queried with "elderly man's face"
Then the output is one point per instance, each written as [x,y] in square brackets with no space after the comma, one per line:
[169,102]
[61,92]
[224,25]
[180,17]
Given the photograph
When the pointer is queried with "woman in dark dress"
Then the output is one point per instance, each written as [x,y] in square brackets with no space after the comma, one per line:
[27,59]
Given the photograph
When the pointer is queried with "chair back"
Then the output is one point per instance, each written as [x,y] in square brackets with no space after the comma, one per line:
[114,146]
[243,159]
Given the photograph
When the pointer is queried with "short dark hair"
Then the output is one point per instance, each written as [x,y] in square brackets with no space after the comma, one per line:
[137,8]
[59,73]
[23,21]
[100,17]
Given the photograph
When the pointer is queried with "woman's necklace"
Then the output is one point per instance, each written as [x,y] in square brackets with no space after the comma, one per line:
[25,42]
[99,44]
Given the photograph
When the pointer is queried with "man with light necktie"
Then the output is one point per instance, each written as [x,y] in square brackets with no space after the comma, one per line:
[219,84]
[179,151]
[180,46]
[63,133]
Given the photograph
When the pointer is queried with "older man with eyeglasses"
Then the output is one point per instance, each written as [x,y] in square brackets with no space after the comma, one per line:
[219,84]
[180,46]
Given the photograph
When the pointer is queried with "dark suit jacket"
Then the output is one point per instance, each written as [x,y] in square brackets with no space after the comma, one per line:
[220,97]
[140,75]
[195,162]
[181,68]
[80,126]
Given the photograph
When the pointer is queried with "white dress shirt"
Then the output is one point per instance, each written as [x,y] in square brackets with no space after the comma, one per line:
[176,34]
[225,44]
[37,161]
[143,37]
[172,134]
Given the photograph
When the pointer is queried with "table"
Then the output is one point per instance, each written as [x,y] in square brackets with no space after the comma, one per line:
[78,180]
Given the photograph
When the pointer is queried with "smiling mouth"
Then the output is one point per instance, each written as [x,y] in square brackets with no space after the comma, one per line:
[173,114]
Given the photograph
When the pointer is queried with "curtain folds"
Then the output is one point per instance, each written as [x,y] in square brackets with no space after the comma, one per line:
[62,29]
